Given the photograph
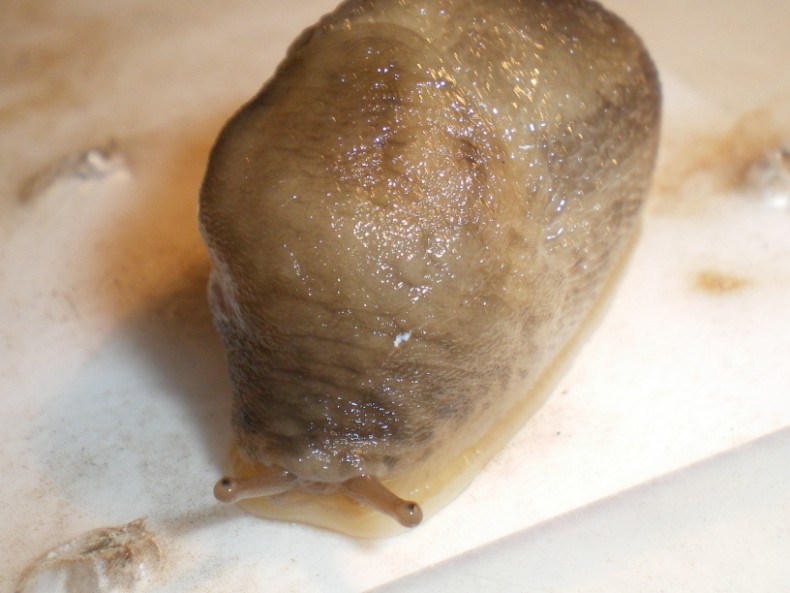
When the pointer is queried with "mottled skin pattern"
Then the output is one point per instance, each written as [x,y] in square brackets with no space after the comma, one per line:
[413,216]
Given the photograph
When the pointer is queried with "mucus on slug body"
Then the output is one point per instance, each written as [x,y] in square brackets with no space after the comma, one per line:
[406,226]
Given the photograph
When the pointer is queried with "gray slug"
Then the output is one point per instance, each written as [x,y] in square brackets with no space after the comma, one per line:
[406,226]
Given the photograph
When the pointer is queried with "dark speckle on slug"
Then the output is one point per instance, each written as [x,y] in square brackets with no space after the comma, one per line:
[409,222]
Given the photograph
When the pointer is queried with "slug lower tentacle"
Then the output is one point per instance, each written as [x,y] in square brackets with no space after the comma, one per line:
[407,226]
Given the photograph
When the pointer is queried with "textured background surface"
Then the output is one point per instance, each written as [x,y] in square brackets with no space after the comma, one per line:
[114,397]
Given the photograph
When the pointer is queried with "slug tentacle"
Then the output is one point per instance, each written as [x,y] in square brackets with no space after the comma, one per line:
[366,490]
[369,491]
[267,483]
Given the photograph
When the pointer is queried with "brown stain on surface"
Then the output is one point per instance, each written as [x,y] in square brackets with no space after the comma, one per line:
[705,165]
[717,282]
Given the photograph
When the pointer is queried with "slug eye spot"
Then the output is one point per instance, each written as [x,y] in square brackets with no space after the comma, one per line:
[409,514]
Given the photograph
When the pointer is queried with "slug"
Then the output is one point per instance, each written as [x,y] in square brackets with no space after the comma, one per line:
[406,227]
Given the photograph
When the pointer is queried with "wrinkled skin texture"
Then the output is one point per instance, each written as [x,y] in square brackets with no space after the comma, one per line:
[412,218]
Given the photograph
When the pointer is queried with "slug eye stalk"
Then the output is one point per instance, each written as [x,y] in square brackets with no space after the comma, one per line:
[269,482]
[369,491]
[366,490]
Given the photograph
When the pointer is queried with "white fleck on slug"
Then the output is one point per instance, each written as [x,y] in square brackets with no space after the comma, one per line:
[406,226]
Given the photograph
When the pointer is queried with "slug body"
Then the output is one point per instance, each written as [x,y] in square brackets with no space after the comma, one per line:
[407,225]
